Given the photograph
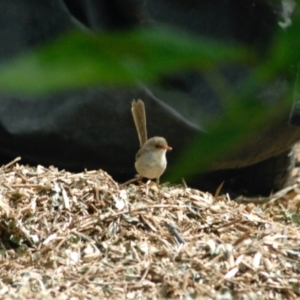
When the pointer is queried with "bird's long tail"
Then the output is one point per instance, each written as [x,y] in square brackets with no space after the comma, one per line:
[139,117]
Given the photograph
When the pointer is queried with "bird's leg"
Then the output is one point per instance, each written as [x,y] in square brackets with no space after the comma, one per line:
[135,179]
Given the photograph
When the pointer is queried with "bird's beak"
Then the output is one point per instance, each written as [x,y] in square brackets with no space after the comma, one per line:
[168,148]
[164,147]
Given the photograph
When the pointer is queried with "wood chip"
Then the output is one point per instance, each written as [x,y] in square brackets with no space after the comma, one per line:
[82,236]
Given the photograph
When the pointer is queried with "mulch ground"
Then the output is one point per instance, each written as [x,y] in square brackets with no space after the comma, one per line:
[81,236]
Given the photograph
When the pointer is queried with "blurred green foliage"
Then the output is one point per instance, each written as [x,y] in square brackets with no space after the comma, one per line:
[80,59]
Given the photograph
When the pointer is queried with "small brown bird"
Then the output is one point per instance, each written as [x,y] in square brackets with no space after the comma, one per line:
[151,159]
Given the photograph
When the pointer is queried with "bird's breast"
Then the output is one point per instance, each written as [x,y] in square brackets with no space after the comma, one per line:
[151,164]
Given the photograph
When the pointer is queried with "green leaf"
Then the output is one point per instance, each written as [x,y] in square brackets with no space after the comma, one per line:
[78,59]
[244,118]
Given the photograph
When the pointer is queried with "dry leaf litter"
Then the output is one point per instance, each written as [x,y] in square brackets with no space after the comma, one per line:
[81,236]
